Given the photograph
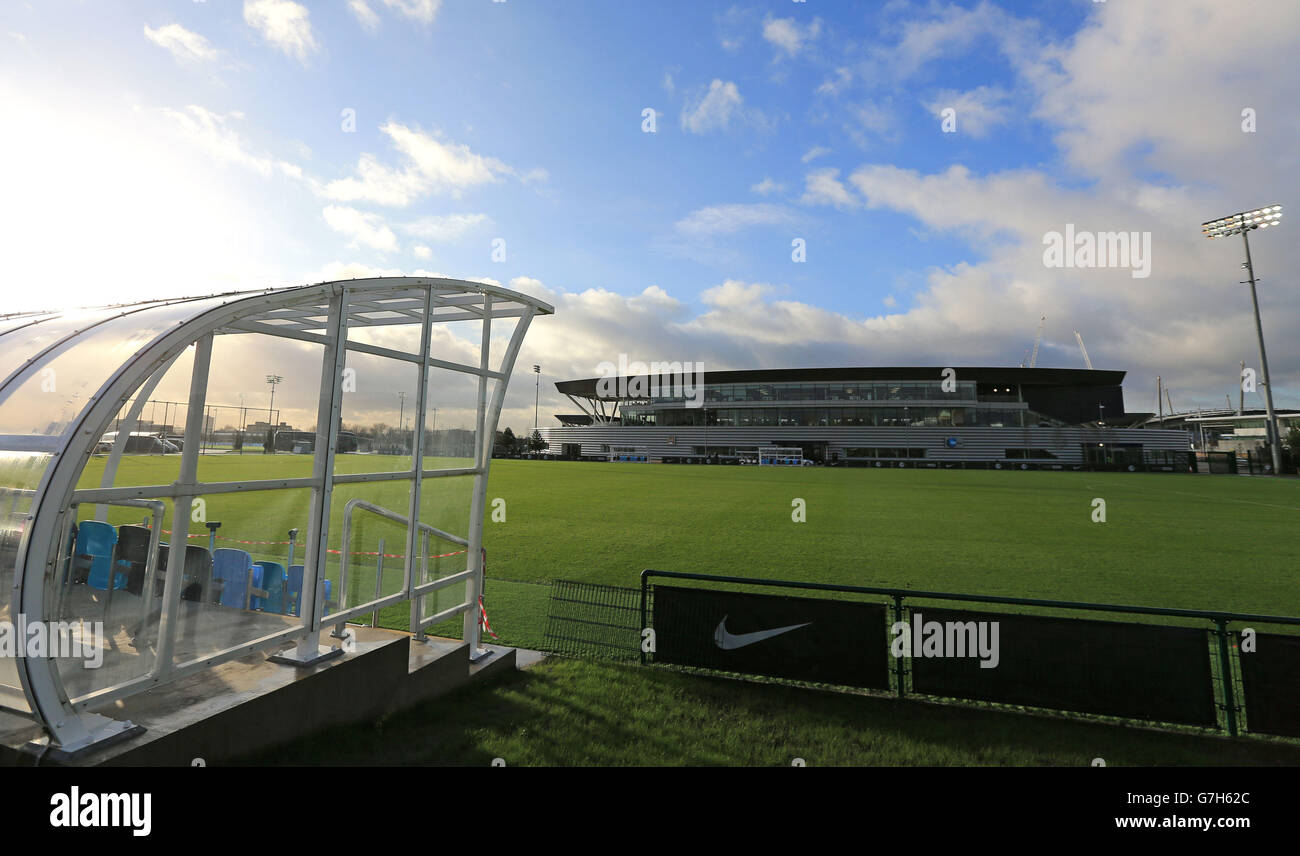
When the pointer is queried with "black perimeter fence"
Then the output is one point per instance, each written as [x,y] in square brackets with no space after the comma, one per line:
[1180,667]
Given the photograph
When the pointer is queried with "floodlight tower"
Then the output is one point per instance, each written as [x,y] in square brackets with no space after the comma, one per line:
[401,418]
[537,390]
[1240,224]
[273,380]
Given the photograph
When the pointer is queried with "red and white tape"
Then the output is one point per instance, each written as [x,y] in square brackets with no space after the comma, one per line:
[483,621]
[335,552]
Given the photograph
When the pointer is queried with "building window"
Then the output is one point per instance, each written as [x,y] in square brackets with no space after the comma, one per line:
[884,452]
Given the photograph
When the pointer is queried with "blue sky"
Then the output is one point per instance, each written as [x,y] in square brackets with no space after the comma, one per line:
[176,148]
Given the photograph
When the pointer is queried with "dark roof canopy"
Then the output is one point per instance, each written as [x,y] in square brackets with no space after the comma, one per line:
[981,374]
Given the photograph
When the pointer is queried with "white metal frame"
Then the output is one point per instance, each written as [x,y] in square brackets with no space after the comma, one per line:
[320,313]
[767,453]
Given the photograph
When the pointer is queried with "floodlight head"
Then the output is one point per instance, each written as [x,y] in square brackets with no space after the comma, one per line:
[1236,224]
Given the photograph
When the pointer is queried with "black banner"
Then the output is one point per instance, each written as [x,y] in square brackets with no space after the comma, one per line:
[1107,667]
[1270,679]
[825,641]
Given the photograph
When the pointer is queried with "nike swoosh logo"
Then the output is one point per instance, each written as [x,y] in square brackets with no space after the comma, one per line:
[729,641]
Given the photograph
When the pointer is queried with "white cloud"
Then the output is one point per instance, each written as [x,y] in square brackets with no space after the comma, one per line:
[717,108]
[787,35]
[977,110]
[727,219]
[536,175]
[767,187]
[834,86]
[361,227]
[732,26]
[446,228]
[365,16]
[422,252]
[1123,100]
[210,132]
[283,23]
[183,44]
[377,183]
[432,167]
[336,270]
[872,121]
[823,187]
[954,29]
[423,11]
[814,153]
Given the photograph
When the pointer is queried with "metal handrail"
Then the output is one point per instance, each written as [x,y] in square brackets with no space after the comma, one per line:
[340,618]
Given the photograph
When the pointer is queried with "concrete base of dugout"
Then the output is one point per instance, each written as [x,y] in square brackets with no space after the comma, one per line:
[251,704]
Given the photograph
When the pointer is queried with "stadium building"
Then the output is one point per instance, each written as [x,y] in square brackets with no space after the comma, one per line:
[1027,418]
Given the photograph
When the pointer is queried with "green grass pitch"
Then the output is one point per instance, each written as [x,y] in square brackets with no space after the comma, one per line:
[1191,541]
[1209,542]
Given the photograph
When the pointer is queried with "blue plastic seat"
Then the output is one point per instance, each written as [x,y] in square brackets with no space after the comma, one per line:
[96,544]
[273,580]
[293,592]
[232,568]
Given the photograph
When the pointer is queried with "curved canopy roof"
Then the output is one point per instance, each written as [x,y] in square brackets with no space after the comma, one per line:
[75,353]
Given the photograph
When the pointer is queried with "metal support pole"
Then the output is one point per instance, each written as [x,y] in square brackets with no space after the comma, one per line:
[379,583]
[1241,400]
[482,456]
[643,618]
[1275,440]
[328,413]
[1225,675]
[416,602]
[181,506]
[417,476]
[900,671]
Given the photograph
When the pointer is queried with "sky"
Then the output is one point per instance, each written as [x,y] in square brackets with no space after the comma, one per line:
[753,185]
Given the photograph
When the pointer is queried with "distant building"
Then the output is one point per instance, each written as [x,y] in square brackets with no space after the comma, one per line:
[1228,430]
[892,416]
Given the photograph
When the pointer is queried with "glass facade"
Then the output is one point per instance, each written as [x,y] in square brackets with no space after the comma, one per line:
[884,452]
[911,390]
[878,416]
[868,404]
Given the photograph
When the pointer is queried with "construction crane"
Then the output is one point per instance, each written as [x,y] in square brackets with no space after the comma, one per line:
[1033,360]
[1087,362]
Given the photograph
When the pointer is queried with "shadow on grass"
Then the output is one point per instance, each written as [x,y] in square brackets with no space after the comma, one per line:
[578,713]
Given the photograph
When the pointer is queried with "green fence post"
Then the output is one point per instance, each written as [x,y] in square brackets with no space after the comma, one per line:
[641,633]
[899,670]
[1225,675]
